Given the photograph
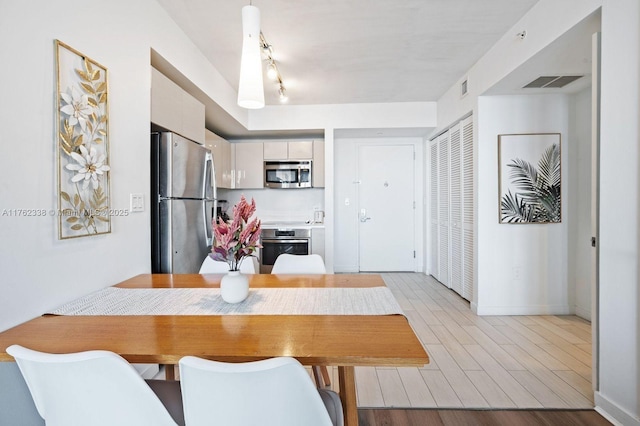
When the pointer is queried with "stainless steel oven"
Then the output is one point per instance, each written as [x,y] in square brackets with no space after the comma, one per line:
[278,241]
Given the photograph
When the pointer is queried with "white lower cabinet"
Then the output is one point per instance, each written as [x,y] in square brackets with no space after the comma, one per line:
[317,241]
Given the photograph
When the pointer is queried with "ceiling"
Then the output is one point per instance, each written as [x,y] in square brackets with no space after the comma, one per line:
[355,51]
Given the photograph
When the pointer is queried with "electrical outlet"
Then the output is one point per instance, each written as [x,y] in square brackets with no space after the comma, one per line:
[517,272]
[136,203]
[347,202]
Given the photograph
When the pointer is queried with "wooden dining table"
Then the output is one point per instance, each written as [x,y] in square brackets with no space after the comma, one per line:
[344,341]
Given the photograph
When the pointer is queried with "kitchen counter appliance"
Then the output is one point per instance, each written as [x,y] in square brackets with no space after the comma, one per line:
[287,174]
[183,200]
[276,241]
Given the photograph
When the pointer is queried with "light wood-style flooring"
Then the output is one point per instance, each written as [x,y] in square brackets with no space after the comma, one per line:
[482,362]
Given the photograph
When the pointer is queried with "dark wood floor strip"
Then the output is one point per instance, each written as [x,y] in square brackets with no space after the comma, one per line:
[418,417]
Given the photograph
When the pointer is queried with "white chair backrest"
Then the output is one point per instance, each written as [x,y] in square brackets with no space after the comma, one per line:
[88,388]
[276,391]
[210,266]
[299,264]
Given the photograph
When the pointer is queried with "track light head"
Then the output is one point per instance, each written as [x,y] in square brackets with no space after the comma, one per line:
[282,92]
[272,71]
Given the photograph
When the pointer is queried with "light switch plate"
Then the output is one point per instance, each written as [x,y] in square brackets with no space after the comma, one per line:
[136,203]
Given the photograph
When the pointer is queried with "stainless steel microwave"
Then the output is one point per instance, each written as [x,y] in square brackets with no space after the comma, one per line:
[287,174]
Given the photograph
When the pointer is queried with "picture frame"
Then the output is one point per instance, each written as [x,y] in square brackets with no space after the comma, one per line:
[529,178]
[82,145]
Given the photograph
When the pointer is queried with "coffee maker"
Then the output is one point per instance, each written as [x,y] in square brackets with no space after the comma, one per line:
[221,210]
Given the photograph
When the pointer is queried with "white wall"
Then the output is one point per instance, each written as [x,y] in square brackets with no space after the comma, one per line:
[39,271]
[539,251]
[554,260]
[619,316]
[545,22]
[289,205]
[344,116]
[346,252]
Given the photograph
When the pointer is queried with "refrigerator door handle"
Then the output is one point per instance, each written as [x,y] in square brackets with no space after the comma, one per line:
[209,178]
[207,226]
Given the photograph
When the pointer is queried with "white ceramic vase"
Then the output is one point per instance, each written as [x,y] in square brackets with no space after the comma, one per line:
[234,287]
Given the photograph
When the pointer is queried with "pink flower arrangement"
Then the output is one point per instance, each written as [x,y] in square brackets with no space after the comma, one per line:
[237,239]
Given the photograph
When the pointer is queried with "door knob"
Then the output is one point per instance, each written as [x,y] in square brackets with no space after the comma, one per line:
[363,215]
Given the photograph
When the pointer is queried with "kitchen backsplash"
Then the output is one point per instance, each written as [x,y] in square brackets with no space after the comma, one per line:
[276,205]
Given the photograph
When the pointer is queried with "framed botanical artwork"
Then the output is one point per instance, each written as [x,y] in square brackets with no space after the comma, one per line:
[529,177]
[82,145]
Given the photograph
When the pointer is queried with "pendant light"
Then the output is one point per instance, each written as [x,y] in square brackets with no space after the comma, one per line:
[250,89]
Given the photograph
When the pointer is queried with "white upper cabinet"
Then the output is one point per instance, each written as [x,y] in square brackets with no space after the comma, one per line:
[276,151]
[176,110]
[318,164]
[248,165]
[221,150]
[302,150]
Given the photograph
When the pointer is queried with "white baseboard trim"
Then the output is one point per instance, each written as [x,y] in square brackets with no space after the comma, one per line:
[614,413]
[523,310]
[583,313]
[345,269]
[474,308]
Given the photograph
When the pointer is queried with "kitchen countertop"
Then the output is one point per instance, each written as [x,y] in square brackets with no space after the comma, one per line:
[291,225]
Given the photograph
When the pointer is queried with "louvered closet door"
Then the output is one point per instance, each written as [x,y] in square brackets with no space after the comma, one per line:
[467,207]
[433,209]
[456,210]
[443,209]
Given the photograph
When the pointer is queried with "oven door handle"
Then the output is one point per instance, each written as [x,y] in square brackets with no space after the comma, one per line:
[270,241]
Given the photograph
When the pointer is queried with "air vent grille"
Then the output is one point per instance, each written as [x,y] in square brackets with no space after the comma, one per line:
[552,81]
[464,88]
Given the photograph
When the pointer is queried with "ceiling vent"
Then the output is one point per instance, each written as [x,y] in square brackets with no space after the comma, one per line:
[464,88]
[552,81]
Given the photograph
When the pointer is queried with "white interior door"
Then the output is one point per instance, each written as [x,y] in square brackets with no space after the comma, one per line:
[386,207]
[443,209]
[433,211]
[595,208]
[455,206]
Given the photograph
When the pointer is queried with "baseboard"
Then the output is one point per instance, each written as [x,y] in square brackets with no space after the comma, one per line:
[523,310]
[613,413]
[583,313]
[474,308]
[345,269]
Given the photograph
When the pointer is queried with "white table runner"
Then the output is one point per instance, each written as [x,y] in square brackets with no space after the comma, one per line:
[261,301]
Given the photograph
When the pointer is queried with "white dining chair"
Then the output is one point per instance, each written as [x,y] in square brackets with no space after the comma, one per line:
[304,264]
[97,388]
[299,264]
[275,391]
[209,266]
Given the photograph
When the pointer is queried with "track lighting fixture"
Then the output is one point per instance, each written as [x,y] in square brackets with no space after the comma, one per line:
[272,68]
[282,92]
[272,71]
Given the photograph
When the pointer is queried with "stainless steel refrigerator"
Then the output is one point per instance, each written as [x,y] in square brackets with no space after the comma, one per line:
[183,201]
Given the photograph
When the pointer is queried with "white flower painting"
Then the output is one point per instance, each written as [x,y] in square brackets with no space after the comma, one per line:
[82,145]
